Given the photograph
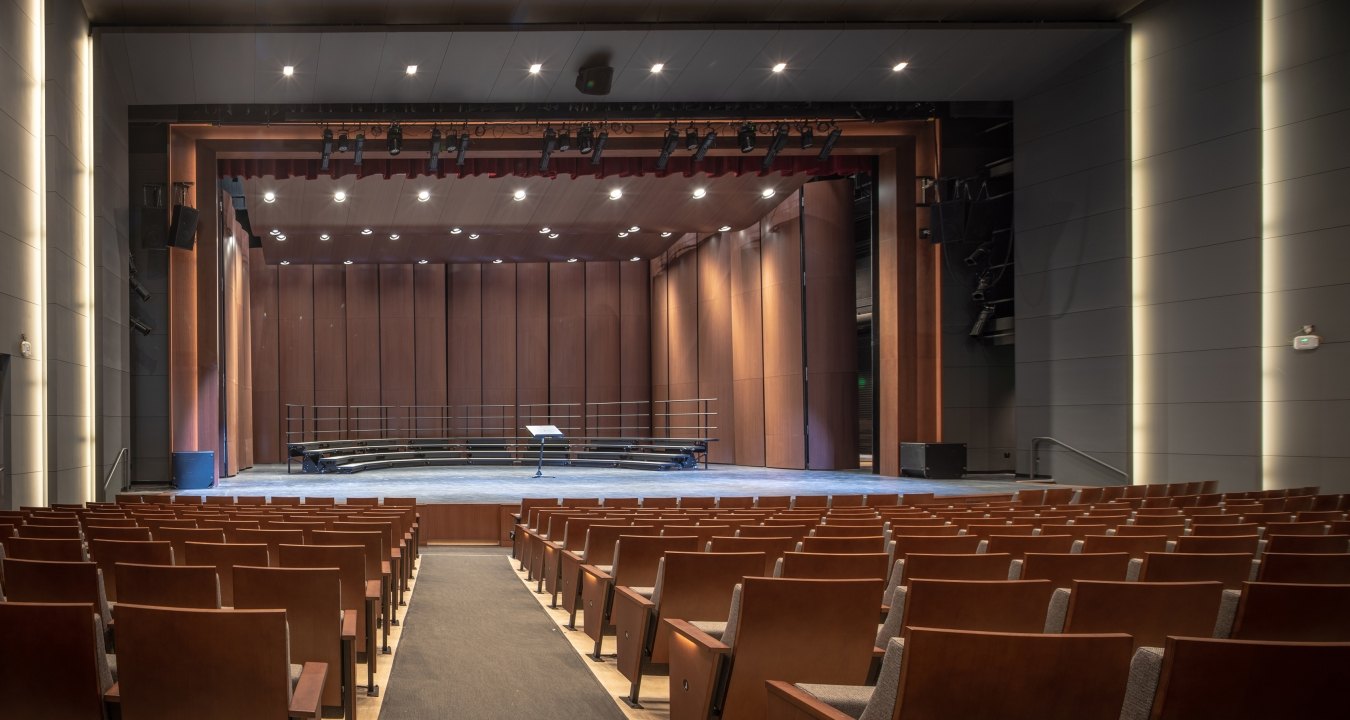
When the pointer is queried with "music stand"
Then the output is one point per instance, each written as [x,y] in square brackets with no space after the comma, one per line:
[542,433]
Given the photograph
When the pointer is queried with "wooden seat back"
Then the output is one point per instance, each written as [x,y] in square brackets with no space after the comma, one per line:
[1198,518]
[182,586]
[210,664]
[1019,545]
[117,533]
[1147,611]
[1265,518]
[797,532]
[1075,530]
[971,566]
[48,549]
[706,501]
[1318,544]
[868,529]
[1293,612]
[1061,569]
[1217,544]
[736,502]
[862,544]
[306,527]
[272,538]
[925,530]
[816,631]
[1012,676]
[161,523]
[1136,546]
[907,521]
[1214,679]
[225,556]
[1311,568]
[1231,569]
[835,565]
[1296,528]
[984,531]
[107,553]
[600,539]
[657,502]
[52,532]
[179,537]
[697,586]
[312,599]
[350,561]
[1171,532]
[991,605]
[46,581]
[57,654]
[370,542]
[771,547]
[703,533]
[636,556]
[1226,529]
[941,545]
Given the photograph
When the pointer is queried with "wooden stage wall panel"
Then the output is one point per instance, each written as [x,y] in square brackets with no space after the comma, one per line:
[398,373]
[363,341]
[266,382]
[635,348]
[603,338]
[714,352]
[465,339]
[532,333]
[781,283]
[567,335]
[831,345]
[330,342]
[429,351]
[747,349]
[499,346]
[660,328]
[296,303]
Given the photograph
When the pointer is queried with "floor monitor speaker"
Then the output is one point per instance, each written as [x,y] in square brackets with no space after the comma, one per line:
[183,229]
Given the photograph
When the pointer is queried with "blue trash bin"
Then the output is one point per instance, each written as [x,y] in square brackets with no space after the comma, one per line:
[194,470]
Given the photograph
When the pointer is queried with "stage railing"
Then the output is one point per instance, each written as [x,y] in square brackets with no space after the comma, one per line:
[690,417]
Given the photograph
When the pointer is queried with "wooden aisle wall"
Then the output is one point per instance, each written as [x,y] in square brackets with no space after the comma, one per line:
[433,334]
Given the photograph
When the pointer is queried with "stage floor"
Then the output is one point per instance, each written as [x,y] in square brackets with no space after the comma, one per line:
[489,484]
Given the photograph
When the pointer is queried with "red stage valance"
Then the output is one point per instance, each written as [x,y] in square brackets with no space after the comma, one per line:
[565,166]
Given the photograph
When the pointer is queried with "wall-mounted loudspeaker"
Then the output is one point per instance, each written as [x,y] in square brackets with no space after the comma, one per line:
[595,80]
[183,229]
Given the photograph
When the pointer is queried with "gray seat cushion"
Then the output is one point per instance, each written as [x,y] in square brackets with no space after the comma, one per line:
[714,628]
[643,591]
[848,699]
[1145,671]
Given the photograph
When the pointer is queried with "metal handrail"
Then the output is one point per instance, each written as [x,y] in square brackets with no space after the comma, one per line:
[113,471]
[1036,441]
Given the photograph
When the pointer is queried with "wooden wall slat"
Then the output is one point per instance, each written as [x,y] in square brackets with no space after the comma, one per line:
[714,350]
[567,339]
[296,328]
[660,359]
[682,309]
[635,347]
[602,342]
[532,333]
[429,308]
[330,349]
[831,340]
[363,346]
[266,379]
[784,443]
[747,348]
[499,347]
[464,340]
[398,371]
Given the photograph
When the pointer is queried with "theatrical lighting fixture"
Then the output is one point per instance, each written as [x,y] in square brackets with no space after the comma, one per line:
[830,140]
[615,194]
[600,141]
[366,231]
[981,287]
[285,262]
[326,150]
[634,259]
[474,236]
[435,152]
[462,149]
[498,261]
[899,66]
[550,142]
[571,260]
[455,231]
[585,139]
[553,236]
[545,230]
[274,231]
[691,138]
[518,195]
[393,236]
[724,228]
[667,234]
[340,196]
[634,229]
[288,70]
[342,141]
[423,195]
[767,193]
[139,289]
[779,67]
[658,67]
[974,258]
[708,139]
[269,197]
[623,234]
[535,68]
[394,139]
[780,138]
[699,193]
[564,140]
[422,262]
[808,137]
[745,137]
[981,320]
[360,149]
[140,326]
[672,140]
[325,237]
[412,70]
[346,262]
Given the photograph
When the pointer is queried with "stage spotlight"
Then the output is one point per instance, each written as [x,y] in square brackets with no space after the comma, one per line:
[746,138]
[691,138]
[326,151]
[342,145]
[435,163]
[139,289]
[830,140]
[667,147]
[706,145]
[585,139]
[550,142]
[360,149]
[981,320]
[808,137]
[564,140]
[981,288]
[462,149]
[394,139]
[140,326]
[974,258]
[599,150]
[779,142]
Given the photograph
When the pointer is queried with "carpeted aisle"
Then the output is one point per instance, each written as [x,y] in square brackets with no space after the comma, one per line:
[476,645]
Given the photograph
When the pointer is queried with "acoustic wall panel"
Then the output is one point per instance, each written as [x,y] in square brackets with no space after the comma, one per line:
[363,349]
[602,344]
[532,339]
[499,350]
[784,420]
[330,346]
[567,341]
[660,325]
[714,352]
[635,348]
[831,354]
[747,348]
[682,312]
[295,285]
[464,339]
[397,368]
[429,351]
[266,381]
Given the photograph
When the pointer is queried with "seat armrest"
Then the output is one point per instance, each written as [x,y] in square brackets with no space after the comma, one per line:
[309,691]
[878,653]
[348,624]
[384,567]
[113,694]
[372,589]
[597,573]
[705,642]
[621,592]
[789,702]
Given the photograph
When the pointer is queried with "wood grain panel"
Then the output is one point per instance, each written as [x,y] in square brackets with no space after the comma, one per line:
[363,347]
[466,523]
[245,363]
[747,348]
[464,338]
[236,351]
[499,347]
[266,378]
[183,349]
[398,368]
[330,350]
[296,311]
[682,308]
[892,169]
[429,323]
[635,347]
[660,329]
[784,442]
[602,342]
[831,335]
[209,292]
[714,342]
[567,338]
[532,333]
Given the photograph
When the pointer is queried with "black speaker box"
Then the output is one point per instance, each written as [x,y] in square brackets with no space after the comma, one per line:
[949,221]
[595,80]
[945,461]
[183,229]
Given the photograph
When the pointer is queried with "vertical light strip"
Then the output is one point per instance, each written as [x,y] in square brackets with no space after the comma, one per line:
[1141,382]
[1269,264]
[91,299]
[40,133]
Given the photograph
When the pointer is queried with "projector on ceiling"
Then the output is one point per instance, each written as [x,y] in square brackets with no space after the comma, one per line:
[595,80]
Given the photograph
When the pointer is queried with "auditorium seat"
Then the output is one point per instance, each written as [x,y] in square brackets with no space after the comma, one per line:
[1231,569]
[178,537]
[1295,528]
[46,581]
[1136,546]
[1305,568]
[863,544]
[772,548]
[1322,544]
[376,570]
[848,529]
[98,532]
[273,538]
[633,564]
[187,663]
[1147,611]
[107,553]
[181,586]
[63,671]
[938,673]
[394,550]
[1226,529]
[992,605]
[51,532]
[826,566]
[1237,680]
[1061,569]
[831,625]
[565,532]
[598,550]
[1019,545]
[1293,612]
[736,502]
[224,556]
[968,566]
[49,549]
[358,595]
[1249,544]
[703,533]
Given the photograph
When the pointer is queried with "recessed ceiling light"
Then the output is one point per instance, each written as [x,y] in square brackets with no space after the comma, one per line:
[288,70]
[658,67]
[634,229]
[325,237]
[899,66]
[281,238]
[615,194]
[518,195]
[767,193]
[623,234]
[274,231]
[456,231]
[780,67]
[422,262]
[571,259]
[666,234]
[553,236]
[285,262]
[340,196]
[545,230]
[634,259]
[393,236]
[346,262]
[412,70]
[423,195]
[366,231]
[473,236]
[699,193]
[535,68]
[724,228]
[498,261]
[269,197]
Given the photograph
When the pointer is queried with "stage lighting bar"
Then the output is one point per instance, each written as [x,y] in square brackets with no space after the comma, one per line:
[585,139]
[691,138]
[550,142]
[342,145]
[667,147]
[600,141]
[808,137]
[326,153]
[706,145]
[830,140]
[360,149]
[780,139]
[394,139]
[435,163]
[564,140]
[462,150]
[745,137]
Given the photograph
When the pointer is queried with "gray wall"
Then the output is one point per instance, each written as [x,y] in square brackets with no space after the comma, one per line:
[1307,243]
[1071,222]
[1196,149]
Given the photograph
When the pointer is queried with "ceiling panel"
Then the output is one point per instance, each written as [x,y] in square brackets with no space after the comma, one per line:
[225,63]
[471,65]
[675,49]
[612,47]
[426,51]
[717,64]
[274,51]
[549,48]
[799,49]
[347,74]
[161,68]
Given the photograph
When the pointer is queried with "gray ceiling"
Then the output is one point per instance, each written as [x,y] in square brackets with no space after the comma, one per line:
[825,63]
[423,12]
